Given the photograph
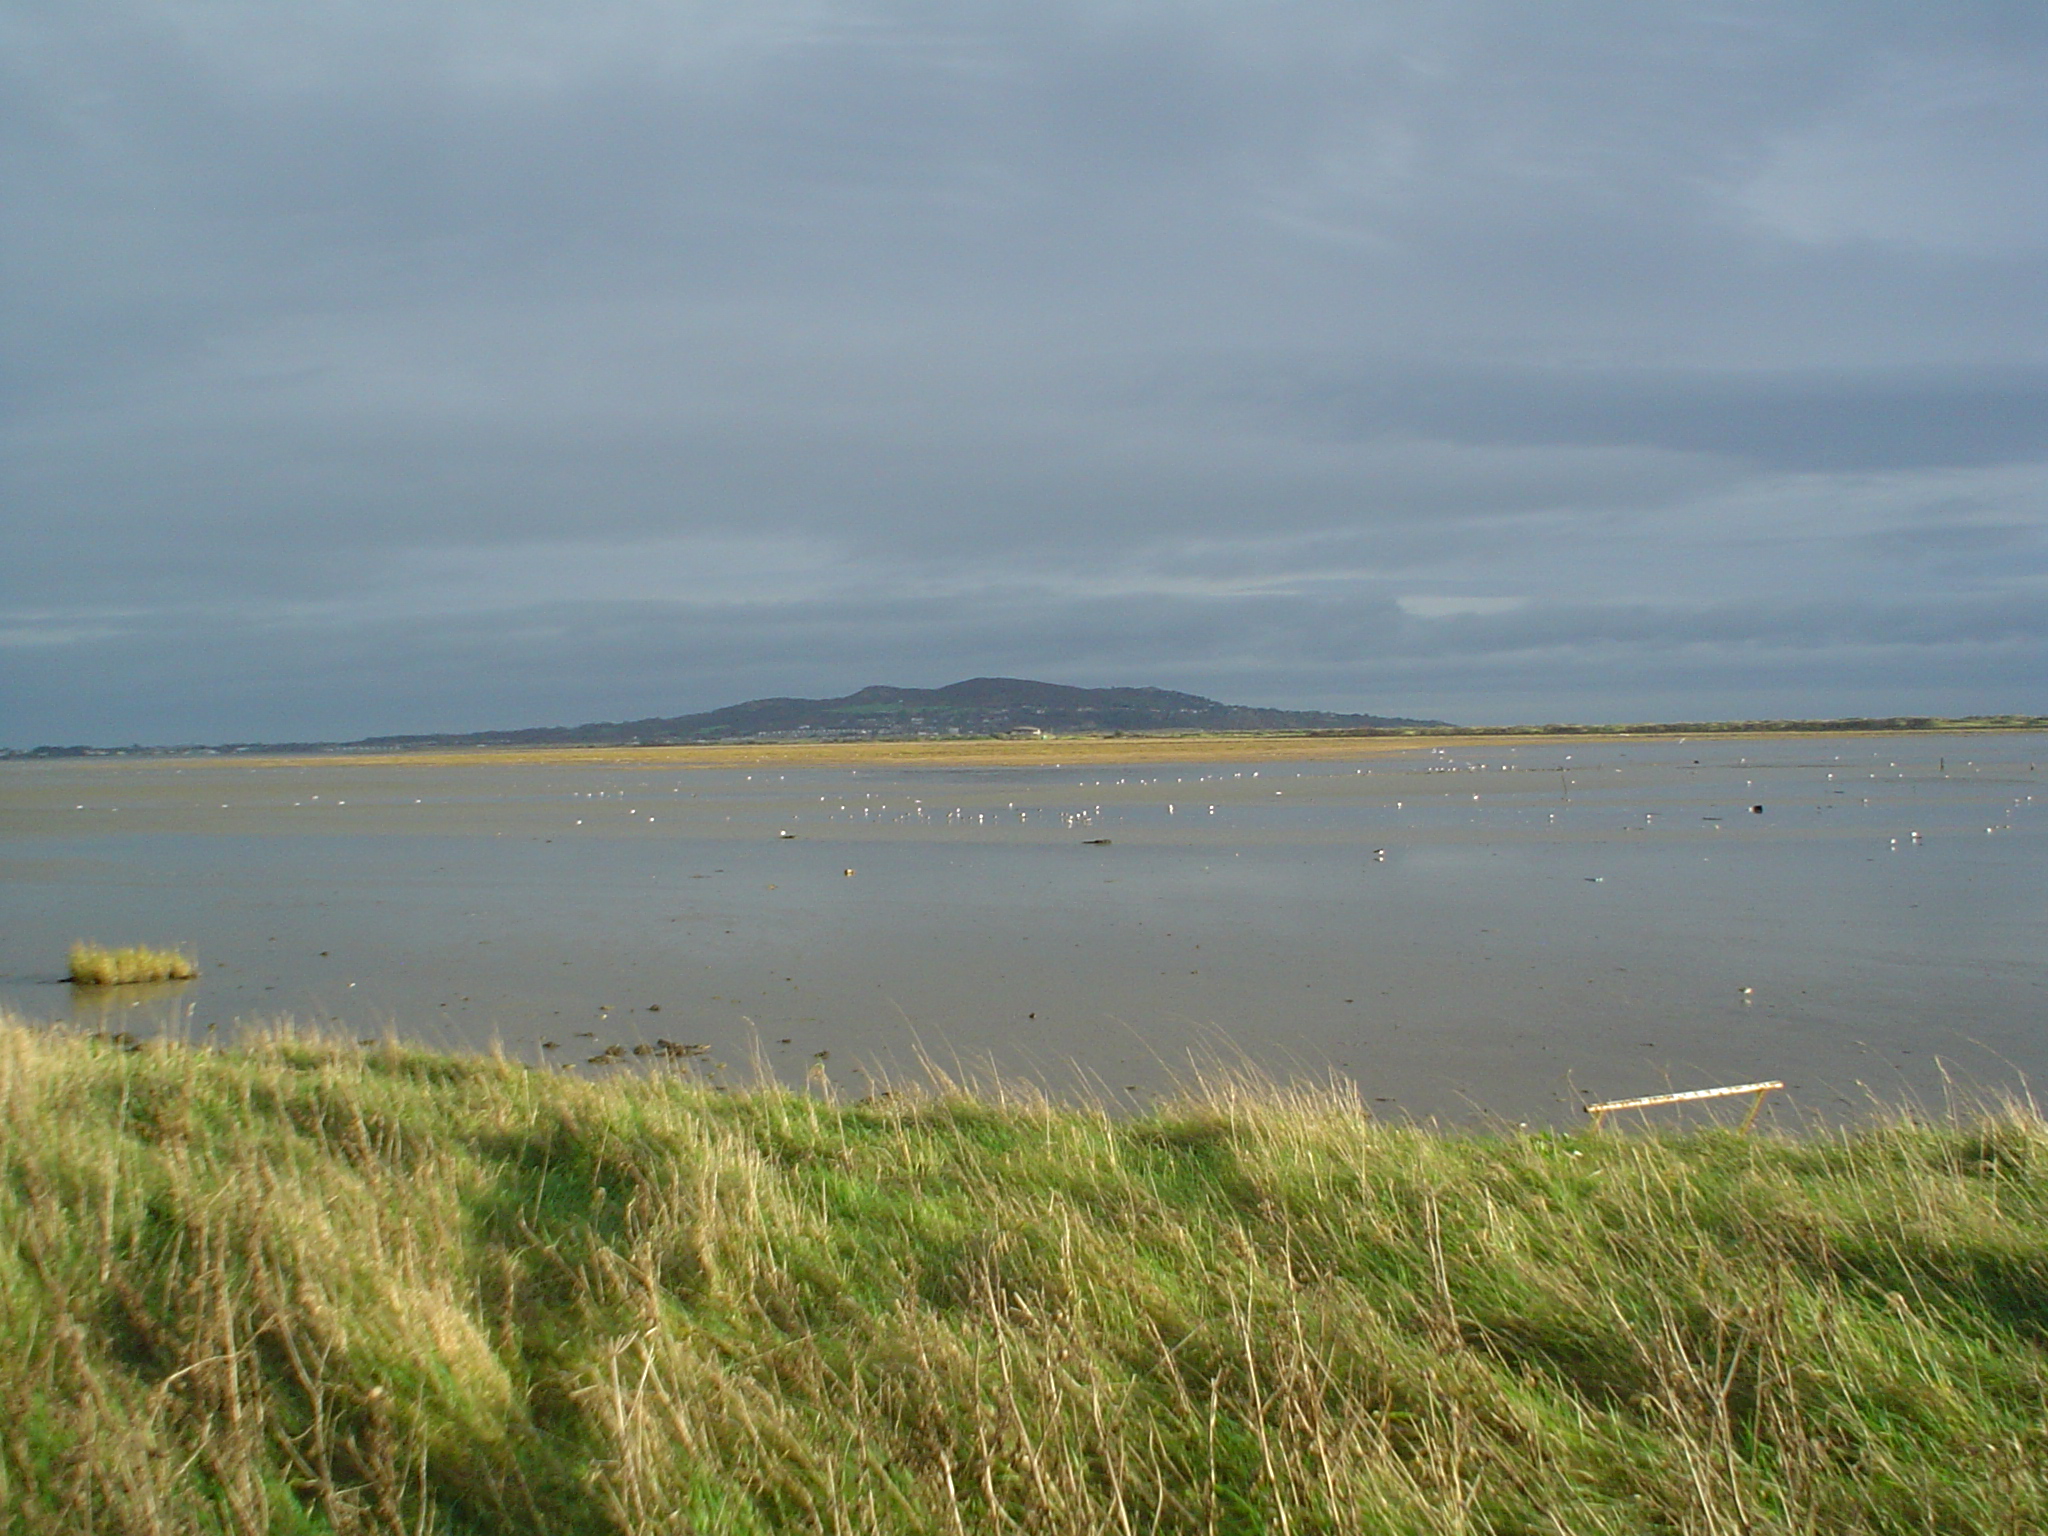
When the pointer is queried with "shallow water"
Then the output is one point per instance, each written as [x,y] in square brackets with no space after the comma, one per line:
[1505,929]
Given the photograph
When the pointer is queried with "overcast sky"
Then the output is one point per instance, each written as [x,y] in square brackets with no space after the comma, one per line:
[407,365]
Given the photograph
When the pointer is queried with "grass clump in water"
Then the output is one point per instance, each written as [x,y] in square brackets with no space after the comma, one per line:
[96,965]
[308,1287]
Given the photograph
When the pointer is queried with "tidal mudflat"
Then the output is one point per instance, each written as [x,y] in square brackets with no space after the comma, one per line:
[1498,927]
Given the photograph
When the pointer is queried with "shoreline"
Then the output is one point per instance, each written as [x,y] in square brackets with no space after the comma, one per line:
[1048,752]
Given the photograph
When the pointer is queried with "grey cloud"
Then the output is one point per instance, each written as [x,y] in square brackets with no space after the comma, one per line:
[1788,421]
[1964,546]
[1086,339]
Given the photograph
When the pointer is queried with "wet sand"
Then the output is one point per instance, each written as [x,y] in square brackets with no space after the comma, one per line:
[1487,925]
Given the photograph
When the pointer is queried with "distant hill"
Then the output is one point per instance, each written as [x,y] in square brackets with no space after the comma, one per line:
[981,706]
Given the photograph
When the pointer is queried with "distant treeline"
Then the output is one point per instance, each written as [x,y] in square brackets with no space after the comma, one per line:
[1730,727]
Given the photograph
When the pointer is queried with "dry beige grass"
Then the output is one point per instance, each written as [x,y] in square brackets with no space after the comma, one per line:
[1076,751]
[96,965]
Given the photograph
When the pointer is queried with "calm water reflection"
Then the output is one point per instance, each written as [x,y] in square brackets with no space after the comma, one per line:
[1504,928]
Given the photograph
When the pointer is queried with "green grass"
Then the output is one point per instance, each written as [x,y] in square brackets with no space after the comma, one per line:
[306,1287]
[95,965]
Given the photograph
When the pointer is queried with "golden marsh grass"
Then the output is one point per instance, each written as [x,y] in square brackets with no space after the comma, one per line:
[97,965]
[1079,751]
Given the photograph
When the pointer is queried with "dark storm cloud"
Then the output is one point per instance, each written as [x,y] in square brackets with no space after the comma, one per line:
[1789,421]
[403,366]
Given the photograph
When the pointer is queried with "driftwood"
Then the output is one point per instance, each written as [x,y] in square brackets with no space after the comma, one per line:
[1600,1112]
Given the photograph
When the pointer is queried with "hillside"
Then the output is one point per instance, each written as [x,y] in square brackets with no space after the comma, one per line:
[981,706]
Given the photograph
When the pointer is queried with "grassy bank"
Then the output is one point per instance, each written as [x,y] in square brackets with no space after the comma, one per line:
[304,1287]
